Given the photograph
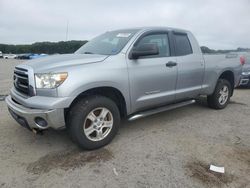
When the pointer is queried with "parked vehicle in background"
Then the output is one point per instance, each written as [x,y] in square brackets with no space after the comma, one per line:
[34,56]
[30,56]
[24,56]
[129,73]
[9,56]
[1,54]
[18,56]
[245,76]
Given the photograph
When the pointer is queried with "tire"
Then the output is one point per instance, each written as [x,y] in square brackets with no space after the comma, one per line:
[215,100]
[86,117]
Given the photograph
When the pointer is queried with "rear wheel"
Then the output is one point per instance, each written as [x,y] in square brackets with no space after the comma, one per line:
[221,96]
[93,122]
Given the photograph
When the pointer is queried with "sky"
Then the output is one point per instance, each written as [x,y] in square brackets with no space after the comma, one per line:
[218,24]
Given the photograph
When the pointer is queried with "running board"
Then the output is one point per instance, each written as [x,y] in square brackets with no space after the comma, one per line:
[158,110]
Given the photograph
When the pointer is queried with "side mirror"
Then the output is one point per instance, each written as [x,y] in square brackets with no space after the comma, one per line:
[146,49]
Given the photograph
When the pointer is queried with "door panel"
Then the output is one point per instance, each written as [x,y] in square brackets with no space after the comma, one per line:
[190,68]
[152,82]
[190,76]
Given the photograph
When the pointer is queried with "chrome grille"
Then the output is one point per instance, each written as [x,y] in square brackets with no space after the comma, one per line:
[21,80]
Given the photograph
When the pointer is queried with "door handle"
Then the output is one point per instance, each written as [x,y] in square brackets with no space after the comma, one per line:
[171,64]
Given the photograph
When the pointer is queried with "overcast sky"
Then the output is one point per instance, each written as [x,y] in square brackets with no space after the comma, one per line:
[219,24]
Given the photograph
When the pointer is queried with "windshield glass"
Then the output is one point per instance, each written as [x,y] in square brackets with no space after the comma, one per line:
[109,43]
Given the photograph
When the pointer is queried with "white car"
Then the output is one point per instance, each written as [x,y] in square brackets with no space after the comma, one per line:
[9,56]
[1,54]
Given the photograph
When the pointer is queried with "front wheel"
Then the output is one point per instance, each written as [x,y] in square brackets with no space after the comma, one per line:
[93,122]
[221,96]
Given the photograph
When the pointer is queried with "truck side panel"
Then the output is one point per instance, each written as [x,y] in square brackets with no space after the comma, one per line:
[215,66]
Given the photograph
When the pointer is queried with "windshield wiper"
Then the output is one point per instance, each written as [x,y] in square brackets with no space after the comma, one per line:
[88,53]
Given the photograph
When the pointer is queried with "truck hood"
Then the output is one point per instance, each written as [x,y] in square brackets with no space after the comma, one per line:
[49,63]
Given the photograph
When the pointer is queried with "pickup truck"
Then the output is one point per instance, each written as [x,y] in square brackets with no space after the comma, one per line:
[122,74]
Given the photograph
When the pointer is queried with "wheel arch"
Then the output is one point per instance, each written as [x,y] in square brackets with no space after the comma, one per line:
[110,92]
[229,76]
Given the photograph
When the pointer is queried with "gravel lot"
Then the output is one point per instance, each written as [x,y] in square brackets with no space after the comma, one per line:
[171,149]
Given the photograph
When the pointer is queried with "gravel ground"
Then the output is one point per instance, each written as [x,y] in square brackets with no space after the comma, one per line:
[171,149]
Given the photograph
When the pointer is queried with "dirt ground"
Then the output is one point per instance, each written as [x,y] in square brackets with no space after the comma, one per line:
[171,149]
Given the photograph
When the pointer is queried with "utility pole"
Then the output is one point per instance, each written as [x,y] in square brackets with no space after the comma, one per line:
[67,30]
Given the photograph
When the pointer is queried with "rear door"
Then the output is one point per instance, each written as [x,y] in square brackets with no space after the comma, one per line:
[152,83]
[190,65]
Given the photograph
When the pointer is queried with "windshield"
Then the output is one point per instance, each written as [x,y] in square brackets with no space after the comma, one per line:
[109,43]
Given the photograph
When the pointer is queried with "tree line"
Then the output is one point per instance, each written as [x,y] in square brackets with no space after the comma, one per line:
[207,50]
[64,47]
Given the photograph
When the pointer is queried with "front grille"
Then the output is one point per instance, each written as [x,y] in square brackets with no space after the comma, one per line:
[21,80]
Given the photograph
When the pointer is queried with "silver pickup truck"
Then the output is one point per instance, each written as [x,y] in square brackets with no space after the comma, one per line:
[130,73]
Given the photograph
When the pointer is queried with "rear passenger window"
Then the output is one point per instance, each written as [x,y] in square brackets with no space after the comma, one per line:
[183,46]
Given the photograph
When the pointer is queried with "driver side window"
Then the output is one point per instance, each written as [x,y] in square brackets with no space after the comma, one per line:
[161,40]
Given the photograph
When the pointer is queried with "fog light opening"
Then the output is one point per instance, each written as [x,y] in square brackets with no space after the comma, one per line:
[41,123]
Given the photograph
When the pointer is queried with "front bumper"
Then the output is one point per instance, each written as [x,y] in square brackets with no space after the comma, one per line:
[27,117]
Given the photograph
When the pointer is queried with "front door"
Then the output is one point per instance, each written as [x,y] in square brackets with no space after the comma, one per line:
[152,80]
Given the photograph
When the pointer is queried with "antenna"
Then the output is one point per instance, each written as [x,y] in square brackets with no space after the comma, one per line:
[67,30]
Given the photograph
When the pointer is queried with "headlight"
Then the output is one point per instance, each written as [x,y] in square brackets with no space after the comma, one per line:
[246,73]
[50,80]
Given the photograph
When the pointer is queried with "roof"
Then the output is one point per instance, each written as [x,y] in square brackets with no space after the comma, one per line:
[155,28]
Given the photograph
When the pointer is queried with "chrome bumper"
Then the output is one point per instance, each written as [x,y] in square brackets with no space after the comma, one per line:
[27,117]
